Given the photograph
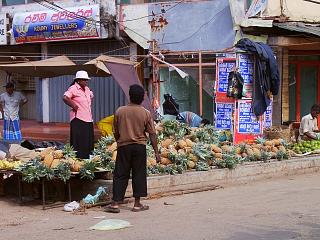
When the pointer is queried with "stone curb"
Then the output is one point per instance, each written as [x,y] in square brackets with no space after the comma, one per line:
[245,173]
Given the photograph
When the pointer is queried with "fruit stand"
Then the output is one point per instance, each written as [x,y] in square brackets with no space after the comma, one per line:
[183,149]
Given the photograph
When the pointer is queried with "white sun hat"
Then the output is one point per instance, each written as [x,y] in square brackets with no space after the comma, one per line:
[82,75]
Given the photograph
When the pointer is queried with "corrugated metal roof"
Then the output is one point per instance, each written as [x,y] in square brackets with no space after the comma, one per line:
[313,29]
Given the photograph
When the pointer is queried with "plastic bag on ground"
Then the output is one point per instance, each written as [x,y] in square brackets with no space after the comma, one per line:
[71,206]
[111,224]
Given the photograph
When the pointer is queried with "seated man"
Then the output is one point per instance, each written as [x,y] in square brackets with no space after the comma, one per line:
[309,125]
[16,152]
[192,119]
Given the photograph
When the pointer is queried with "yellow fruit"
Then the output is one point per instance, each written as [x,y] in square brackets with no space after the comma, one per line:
[165,161]
[112,147]
[189,142]
[164,152]
[96,158]
[75,167]
[182,144]
[191,164]
[151,162]
[226,148]
[166,143]
[188,149]
[55,163]
[114,155]
[48,159]
[193,157]
[215,148]
[58,154]
[46,151]
[182,151]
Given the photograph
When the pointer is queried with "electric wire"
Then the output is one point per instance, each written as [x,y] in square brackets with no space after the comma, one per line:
[152,15]
[51,7]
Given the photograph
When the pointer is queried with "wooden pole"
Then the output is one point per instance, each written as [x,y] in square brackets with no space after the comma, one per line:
[200,84]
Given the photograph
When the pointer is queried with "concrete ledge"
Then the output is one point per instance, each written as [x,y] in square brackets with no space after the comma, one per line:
[193,180]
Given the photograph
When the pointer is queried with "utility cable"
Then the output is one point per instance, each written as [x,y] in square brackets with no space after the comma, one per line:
[151,15]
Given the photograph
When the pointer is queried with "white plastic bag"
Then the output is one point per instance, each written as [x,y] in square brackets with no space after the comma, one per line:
[71,206]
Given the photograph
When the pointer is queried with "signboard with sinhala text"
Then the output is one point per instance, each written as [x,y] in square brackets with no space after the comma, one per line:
[72,23]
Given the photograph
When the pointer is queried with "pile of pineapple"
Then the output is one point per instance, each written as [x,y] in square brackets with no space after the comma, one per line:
[52,157]
[183,148]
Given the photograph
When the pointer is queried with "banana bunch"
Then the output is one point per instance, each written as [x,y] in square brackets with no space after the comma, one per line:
[6,165]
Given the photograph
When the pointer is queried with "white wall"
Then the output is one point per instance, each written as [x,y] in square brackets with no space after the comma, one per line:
[296,10]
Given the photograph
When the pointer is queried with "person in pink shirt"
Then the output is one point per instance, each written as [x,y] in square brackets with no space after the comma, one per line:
[79,98]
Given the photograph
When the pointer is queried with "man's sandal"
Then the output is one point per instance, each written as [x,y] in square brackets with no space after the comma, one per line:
[111,209]
[141,208]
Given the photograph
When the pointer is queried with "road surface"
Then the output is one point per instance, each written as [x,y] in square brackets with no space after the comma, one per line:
[275,209]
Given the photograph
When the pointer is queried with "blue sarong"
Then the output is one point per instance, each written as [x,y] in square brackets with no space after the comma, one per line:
[12,131]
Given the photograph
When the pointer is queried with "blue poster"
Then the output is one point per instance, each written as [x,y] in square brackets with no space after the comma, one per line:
[247,121]
[71,23]
[224,112]
[268,116]
[223,72]
[246,69]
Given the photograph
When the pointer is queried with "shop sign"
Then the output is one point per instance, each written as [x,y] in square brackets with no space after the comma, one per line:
[72,23]
[224,115]
[247,121]
[246,69]
[3,29]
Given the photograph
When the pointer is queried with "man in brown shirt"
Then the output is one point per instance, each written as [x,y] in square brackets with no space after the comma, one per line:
[130,126]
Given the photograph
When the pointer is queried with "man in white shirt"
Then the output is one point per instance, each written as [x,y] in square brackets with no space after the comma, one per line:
[309,125]
[10,103]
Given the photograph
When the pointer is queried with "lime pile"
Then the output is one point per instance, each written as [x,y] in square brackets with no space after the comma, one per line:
[306,146]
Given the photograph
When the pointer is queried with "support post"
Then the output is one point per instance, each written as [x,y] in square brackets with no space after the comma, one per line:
[200,84]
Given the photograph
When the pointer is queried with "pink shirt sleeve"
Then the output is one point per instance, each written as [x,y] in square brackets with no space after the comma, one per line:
[69,92]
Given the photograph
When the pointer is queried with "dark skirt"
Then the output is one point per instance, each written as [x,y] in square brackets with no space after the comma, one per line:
[81,137]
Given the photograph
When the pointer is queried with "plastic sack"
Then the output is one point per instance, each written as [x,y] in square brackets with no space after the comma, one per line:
[105,125]
[89,199]
[71,206]
[110,224]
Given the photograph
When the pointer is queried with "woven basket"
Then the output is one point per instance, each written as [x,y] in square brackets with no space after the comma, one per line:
[278,132]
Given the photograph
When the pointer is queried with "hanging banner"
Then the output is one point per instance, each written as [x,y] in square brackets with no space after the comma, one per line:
[224,67]
[247,126]
[3,29]
[267,123]
[72,23]
[246,69]
[224,115]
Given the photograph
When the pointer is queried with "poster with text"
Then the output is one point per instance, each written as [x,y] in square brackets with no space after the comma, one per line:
[267,123]
[224,115]
[246,69]
[224,67]
[247,125]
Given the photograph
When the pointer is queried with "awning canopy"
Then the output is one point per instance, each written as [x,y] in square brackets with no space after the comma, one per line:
[313,29]
[97,68]
[50,67]
[62,65]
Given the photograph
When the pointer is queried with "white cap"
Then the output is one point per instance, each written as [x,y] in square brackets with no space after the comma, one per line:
[82,75]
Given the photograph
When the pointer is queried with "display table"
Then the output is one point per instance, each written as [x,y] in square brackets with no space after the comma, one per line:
[42,181]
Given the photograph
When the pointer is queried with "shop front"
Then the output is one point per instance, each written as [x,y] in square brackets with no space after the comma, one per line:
[304,82]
